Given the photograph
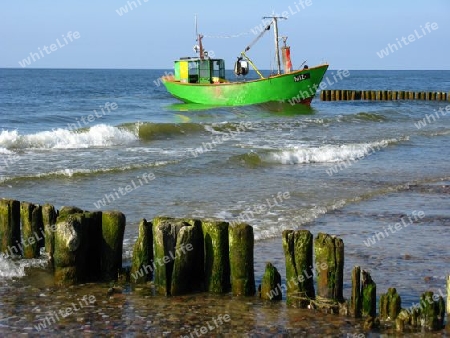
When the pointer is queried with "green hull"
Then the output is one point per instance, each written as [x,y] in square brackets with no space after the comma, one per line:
[296,87]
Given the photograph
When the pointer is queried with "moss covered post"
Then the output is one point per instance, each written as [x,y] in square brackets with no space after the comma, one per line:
[10,227]
[32,229]
[217,259]
[241,260]
[271,283]
[298,253]
[356,298]
[329,251]
[390,304]
[142,261]
[432,311]
[369,295]
[113,229]
[49,215]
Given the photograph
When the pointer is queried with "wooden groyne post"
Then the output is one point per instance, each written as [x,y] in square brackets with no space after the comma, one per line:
[241,240]
[10,227]
[381,95]
[329,252]
[298,253]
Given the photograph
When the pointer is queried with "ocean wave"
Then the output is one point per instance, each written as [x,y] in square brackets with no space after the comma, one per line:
[323,154]
[101,135]
[61,173]
[161,131]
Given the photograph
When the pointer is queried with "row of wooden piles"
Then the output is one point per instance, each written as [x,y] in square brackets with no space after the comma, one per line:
[182,256]
[381,95]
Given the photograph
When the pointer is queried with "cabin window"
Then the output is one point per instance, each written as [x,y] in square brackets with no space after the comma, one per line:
[193,72]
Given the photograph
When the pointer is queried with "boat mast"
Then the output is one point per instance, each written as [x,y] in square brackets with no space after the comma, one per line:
[275,32]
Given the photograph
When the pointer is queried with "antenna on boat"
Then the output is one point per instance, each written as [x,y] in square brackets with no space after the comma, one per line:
[198,48]
[275,32]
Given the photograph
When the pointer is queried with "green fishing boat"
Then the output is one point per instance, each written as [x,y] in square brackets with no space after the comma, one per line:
[201,79]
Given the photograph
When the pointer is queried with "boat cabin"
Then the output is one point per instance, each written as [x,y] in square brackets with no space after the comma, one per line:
[197,70]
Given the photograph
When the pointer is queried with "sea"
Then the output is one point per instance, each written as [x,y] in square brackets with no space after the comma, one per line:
[374,173]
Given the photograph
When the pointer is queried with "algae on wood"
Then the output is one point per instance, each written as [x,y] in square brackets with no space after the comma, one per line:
[369,295]
[356,298]
[10,227]
[241,241]
[329,252]
[49,215]
[217,260]
[390,304]
[142,261]
[32,229]
[271,283]
[113,228]
[298,252]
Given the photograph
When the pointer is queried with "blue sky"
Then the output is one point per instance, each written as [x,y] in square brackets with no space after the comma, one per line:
[347,33]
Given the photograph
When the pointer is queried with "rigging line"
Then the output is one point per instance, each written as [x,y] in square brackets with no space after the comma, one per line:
[226,36]
[258,37]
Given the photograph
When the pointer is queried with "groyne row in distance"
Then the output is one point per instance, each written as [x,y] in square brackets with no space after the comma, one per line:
[182,256]
[381,95]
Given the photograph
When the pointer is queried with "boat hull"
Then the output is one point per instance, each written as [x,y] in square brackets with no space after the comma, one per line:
[296,87]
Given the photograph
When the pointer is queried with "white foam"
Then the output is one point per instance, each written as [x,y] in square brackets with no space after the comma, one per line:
[101,135]
[325,154]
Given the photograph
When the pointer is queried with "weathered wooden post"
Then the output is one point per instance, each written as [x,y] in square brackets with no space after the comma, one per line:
[369,295]
[271,283]
[333,95]
[322,95]
[164,240]
[49,215]
[328,95]
[217,256]
[142,261]
[394,95]
[93,231]
[188,269]
[432,312]
[113,228]
[356,298]
[390,304]
[241,260]
[329,252]
[70,251]
[32,229]
[298,253]
[10,227]
[178,255]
